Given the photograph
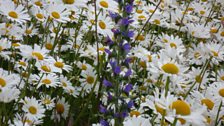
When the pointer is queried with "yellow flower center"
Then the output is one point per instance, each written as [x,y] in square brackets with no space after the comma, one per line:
[198,79]
[47,101]
[134,113]
[90,79]
[48,46]
[139,11]
[208,103]
[1,48]
[60,108]
[2,82]
[46,68]
[22,63]
[222,78]
[13,14]
[38,3]
[182,121]
[157,21]
[197,55]
[68,1]
[33,110]
[38,55]
[84,67]
[39,15]
[143,64]
[213,30]
[55,15]
[202,12]
[160,110]
[165,40]
[170,68]
[28,31]
[181,107]
[59,64]
[149,58]
[222,33]
[64,84]
[46,81]
[221,92]
[141,17]
[173,45]
[104,4]
[140,38]
[215,53]
[102,25]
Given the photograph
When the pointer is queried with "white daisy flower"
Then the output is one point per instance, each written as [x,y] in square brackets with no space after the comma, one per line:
[17,14]
[33,108]
[49,80]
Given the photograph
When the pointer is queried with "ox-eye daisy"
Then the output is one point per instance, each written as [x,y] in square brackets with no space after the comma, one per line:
[13,13]
[49,80]
[58,13]
[109,5]
[61,109]
[33,108]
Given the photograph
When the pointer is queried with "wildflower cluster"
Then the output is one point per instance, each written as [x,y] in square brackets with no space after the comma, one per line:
[112,62]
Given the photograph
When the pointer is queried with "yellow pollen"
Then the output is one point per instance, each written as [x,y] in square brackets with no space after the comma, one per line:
[202,12]
[47,101]
[140,38]
[149,58]
[190,9]
[208,120]
[55,14]
[38,55]
[143,64]
[170,68]
[139,11]
[68,1]
[48,46]
[221,92]
[215,53]
[38,3]
[64,84]
[213,30]
[222,78]
[208,103]
[46,81]
[151,11]
[156,21]
[84,67]
[33,110]
[92,21]
[46,68]
[141,17]
[60,108]
[102,25]
[160,110]
[198,79]
[13,14]
[59,64]
[101,49]
[90,79]
[2,82]
[13,44]
[134,113]
[182,121]
[25,74]
[173,45]
[104,4]
[222,33]
[39,15]
[22,63]
[181,107]
[1,48]
[28,31]
[165,40]
[197,55]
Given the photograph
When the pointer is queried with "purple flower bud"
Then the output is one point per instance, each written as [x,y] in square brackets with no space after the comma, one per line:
[127,61]
[117,70]
[108,51]
[128,73]
[128,8]
[103,109]
[124,114]
[128,88]
[127,47]
[130,104]
[107,83]
[104,122]
[109,96]
[113,15]
[109,41]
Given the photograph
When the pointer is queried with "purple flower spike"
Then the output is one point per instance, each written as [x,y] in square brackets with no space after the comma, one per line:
[107,83]
[128,88]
